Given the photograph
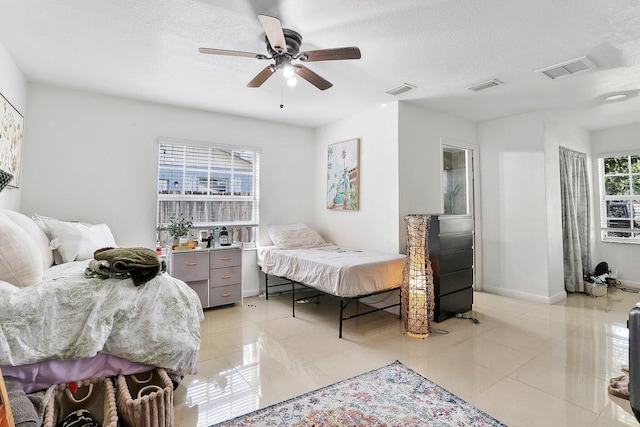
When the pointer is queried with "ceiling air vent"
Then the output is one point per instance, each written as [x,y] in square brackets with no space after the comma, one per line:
[405,87]
[568,68]
[485,85]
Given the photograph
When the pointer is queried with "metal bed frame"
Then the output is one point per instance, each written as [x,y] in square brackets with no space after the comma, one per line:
[344,301]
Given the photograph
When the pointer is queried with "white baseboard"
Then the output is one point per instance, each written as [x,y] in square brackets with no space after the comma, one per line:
[250,293]
[630,283]
[524,295]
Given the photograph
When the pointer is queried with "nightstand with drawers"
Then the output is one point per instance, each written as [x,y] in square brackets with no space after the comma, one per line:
[215,274]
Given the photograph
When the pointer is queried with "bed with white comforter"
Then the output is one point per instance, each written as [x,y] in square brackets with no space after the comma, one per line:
[69,316]
[335,270]
[57,325]
[300,255]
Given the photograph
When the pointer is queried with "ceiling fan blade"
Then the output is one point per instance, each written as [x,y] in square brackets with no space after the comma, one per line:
[312,77]
[330,54]
[262,76]
[231,53]
[264,7]
[273,30]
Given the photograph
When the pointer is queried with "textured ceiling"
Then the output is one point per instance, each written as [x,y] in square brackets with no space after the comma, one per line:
[148,49]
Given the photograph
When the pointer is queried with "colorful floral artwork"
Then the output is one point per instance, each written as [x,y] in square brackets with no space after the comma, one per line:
[11,135]
[343,171]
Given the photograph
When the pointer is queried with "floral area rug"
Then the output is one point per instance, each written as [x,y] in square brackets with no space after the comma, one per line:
[393,395]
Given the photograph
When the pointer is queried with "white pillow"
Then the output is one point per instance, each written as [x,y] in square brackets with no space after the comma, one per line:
[36,233]
[274,229]
[20,259]
[95,236]
[295,236]
[75,241]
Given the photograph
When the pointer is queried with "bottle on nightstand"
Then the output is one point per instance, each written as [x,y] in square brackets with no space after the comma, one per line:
[224,237]
[216,236]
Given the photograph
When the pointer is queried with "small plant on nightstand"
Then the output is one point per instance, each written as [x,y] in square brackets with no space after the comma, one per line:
[177,228]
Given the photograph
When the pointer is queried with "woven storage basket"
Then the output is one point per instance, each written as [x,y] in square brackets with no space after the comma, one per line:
[97,395]
[146,399]
[595,290]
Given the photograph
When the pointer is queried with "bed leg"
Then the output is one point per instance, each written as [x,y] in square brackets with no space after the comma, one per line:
[293,298]
[266,286]
[341,317]
[400,306]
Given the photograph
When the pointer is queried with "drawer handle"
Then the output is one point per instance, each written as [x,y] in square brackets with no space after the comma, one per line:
[226,277]
[228,294]
[225,258]
[192,264]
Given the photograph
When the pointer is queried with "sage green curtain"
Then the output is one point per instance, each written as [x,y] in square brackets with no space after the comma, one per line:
[574,184]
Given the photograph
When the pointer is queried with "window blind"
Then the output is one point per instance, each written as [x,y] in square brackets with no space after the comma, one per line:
[212,185]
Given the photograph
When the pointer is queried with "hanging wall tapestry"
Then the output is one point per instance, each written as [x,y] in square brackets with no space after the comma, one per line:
[11,134]
[343,172]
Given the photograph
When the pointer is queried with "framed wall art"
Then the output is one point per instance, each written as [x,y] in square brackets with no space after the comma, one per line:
[343,175]
[11,135]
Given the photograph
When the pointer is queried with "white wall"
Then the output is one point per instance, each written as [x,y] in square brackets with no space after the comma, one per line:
[619,256]
[13,87]
[514,229]
[374,225]
[421,132]
[93,158]
[521,204]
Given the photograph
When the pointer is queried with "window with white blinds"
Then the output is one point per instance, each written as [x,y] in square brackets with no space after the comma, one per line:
[620,198]
[210,185]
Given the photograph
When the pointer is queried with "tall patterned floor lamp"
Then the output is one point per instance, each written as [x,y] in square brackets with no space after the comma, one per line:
[5,177]
[417,279]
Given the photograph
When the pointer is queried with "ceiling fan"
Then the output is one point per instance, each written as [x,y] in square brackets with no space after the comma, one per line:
[283,46]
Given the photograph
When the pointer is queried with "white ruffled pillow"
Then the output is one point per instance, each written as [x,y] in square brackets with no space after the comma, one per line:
[20,259]
[295,236]
[75,241]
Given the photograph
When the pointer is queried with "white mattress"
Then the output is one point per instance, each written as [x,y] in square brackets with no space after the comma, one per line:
[335,270]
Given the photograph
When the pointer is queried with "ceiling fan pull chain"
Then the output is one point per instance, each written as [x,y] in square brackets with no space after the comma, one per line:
[281,93]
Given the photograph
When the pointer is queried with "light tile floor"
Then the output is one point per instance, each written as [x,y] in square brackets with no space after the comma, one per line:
[527,364]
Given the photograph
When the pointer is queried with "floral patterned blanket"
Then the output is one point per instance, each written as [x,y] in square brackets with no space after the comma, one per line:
[69,316]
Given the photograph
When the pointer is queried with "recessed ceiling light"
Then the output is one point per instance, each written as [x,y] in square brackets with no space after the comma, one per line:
[615,97]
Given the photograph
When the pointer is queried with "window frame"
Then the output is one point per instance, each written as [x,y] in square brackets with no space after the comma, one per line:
[233,226]
[634,214]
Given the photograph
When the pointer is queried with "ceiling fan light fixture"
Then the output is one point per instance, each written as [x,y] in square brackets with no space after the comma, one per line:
[287,71]
[283,46]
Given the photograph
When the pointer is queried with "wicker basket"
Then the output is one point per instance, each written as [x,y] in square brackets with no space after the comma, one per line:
[97,395]
[146,399]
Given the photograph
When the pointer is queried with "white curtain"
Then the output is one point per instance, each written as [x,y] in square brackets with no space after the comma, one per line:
[574,184]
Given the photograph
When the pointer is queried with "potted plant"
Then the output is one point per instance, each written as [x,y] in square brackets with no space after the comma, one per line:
[177,228]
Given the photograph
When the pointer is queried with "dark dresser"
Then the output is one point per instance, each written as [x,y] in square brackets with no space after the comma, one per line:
[451,255]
